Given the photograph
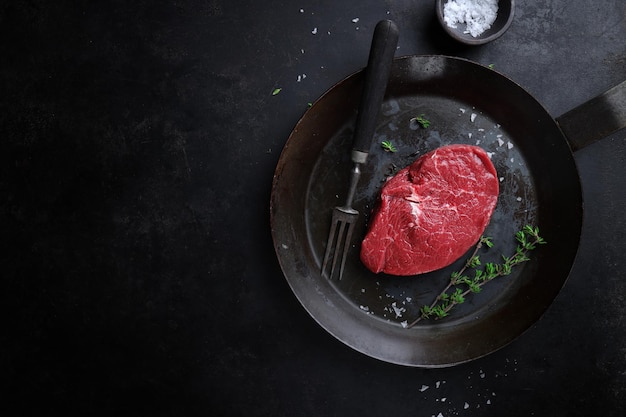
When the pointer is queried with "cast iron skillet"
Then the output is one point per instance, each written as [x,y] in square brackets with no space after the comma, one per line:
[539,185]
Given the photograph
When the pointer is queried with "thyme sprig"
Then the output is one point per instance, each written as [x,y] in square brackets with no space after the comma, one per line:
[422,120]
[388,146]
[461,284]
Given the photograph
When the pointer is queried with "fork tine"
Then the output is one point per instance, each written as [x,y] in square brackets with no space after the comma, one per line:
[346,246]
[329,245]
[340,238]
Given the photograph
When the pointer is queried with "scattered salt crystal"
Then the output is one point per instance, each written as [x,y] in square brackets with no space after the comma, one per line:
[302,50]
[473,117]
[314,31]
[439,415]
[500,142]
[424,388]
[397,310]
[509,145]
[490,155]
[488,402]
[519,198]
[462,110]
[437,384]
[284,246]
[465,406]
[443,400]
[501,179]
[301,10]
[355,20]
[404,324]
[364,308]
[478,15]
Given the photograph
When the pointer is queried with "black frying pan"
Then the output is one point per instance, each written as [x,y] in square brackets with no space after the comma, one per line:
[465,103]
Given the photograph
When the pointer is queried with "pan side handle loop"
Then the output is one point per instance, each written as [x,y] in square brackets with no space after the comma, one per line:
[595,119]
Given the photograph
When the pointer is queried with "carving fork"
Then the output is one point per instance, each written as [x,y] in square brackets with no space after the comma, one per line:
[377,72]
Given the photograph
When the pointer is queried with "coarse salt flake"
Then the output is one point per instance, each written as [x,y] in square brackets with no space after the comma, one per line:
[397,310]
[424,388]
[478,15]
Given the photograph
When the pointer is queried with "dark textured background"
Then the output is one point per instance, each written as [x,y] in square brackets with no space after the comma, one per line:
[137,273]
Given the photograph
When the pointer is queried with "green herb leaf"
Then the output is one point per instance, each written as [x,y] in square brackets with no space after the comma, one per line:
[276,91]
[421,119]
[473,262]
[486,241]
[388,146]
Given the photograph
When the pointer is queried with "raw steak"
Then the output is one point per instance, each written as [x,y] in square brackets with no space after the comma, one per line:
[431,212]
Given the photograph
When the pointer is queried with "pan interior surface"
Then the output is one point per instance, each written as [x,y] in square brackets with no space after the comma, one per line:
[464,103]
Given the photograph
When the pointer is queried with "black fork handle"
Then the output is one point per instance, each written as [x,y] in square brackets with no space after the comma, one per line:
[384,42]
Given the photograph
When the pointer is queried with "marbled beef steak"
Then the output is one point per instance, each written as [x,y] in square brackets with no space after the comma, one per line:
[431,212]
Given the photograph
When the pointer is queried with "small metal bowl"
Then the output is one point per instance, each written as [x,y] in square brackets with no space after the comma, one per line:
[503,20]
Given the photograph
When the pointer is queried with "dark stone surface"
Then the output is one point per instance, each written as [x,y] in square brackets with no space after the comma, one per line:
[137,273]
